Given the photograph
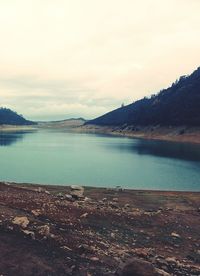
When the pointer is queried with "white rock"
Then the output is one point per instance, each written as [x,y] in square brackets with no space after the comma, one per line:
[21,221]
[173,234]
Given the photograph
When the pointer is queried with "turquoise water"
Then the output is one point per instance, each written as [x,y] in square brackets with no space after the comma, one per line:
[53,157]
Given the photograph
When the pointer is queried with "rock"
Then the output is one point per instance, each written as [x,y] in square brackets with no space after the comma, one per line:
[36,212]
[69,197]
[171,260]
[113,205]
[84,215]
[115,199]
[161,272]
[162,263]
[85,248]
[169,209]
[66,248]
[95,259]
[40,190]
[77,191]
[44,230]
[142,252]
[29,233]
[175,235]
[101,203]
[59,195]
[87,199]
[21,221]
[138,267]
[112,235]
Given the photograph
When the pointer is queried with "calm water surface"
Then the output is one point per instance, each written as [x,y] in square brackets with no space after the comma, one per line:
[53,157]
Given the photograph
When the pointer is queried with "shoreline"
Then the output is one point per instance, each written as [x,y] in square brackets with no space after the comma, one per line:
[181,134]
[7,128]
[114,188]
[66,235]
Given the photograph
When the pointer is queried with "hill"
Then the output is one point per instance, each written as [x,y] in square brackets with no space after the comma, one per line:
[9,117]
[68,123]
[174,106]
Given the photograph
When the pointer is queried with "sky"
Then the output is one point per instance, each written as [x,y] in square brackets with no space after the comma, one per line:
[83,58]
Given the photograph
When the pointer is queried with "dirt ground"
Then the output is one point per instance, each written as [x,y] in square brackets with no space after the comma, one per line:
[46,231]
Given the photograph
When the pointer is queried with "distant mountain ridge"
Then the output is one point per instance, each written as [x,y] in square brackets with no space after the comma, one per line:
[9,117]
[67,123]
[176,105]
[64,120]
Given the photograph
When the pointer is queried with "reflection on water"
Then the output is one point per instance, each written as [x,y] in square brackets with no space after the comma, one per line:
[9,138]
[182,151]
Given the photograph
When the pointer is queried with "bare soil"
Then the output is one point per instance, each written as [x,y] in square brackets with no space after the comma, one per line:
[99,233]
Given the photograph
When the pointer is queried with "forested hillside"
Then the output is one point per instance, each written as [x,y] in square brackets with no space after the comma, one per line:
[9,117]
[176,105]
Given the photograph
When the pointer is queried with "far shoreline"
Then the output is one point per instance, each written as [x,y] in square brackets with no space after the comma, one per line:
[7,128]
[180,134]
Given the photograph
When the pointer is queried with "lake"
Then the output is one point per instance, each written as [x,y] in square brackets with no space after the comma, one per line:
[64,158]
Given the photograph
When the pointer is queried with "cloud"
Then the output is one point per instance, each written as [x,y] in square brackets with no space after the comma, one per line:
[64,58]
[53,99]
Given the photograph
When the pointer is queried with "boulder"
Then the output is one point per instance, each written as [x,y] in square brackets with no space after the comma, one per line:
[76,191]
[21,221]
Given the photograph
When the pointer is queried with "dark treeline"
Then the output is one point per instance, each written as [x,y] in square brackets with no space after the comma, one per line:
[9,117]
[176,105]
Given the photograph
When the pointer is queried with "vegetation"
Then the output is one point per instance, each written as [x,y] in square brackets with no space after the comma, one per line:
[176,105]
[9,117]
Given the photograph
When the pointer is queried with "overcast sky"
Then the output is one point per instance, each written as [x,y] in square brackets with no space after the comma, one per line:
[72,58]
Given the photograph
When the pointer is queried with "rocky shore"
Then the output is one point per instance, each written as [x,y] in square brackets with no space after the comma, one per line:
[58,230]
[174,133]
